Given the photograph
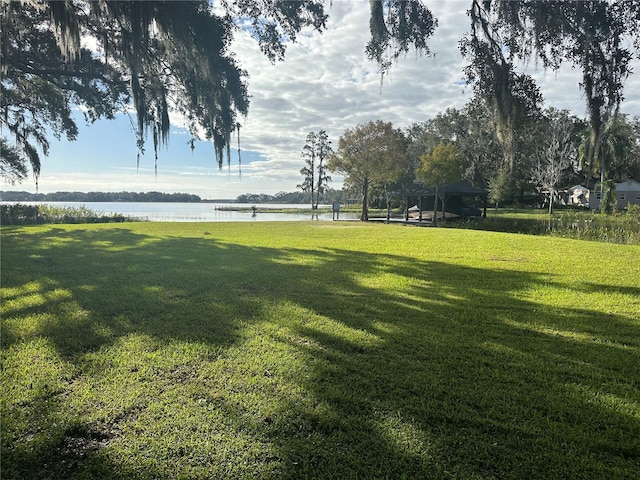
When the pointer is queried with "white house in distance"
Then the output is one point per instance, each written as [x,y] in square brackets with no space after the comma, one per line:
[627,192]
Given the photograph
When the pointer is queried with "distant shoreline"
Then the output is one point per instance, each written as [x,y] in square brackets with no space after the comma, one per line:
[124,197]
[146,197]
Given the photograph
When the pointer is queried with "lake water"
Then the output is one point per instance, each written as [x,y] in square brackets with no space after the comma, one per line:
[200,212]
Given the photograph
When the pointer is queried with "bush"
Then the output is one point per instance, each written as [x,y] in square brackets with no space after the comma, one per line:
[622,227]
[632,211]
[19,214]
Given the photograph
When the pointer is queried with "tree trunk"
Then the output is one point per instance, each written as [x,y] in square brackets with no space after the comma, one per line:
[364,216]
[550,201]
[313,179]
[435,208]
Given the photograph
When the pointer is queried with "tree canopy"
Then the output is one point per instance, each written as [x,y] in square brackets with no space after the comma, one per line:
[549,157]
[397,26]
[371,154]
[441,166]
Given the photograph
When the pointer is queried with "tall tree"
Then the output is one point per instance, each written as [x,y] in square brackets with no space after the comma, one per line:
[556,154]
[450,126]
[469,130]
[511,97]
[593,37]
[618,152]
[315,152]
[309,170]
[481,151]
[370,155]
[324,151]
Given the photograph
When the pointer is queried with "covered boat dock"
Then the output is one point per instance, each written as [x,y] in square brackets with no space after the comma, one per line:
[459,200]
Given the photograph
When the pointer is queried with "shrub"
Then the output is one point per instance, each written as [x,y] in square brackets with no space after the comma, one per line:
[632,210]
[622,227]
[19,214]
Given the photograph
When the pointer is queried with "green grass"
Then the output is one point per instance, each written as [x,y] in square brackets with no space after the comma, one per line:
[317,350]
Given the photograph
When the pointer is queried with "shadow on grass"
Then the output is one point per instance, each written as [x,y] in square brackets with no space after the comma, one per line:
[450,374]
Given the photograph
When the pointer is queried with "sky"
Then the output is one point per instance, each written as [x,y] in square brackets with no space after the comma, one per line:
[324,83]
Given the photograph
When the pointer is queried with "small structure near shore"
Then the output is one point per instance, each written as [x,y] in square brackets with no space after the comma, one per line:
[459,200]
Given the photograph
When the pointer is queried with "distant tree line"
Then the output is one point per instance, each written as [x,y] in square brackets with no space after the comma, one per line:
[98,197]
[326,197]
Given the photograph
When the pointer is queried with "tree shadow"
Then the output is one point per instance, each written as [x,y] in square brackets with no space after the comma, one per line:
[452,374]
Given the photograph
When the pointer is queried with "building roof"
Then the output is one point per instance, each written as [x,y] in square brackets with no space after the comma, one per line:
[628,186]
[578,188]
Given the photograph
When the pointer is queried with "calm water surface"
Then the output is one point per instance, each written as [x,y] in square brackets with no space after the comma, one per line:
[198,212]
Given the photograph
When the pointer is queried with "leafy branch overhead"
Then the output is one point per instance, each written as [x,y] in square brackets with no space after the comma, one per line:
[396,27]
[157,56]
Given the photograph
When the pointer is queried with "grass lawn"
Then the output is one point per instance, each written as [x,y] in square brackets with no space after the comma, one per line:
[317,350]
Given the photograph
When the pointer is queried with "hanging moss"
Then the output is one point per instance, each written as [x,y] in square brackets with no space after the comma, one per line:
[170,54]
[396,26]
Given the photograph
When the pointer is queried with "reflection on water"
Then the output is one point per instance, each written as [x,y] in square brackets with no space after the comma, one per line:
[235,216]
